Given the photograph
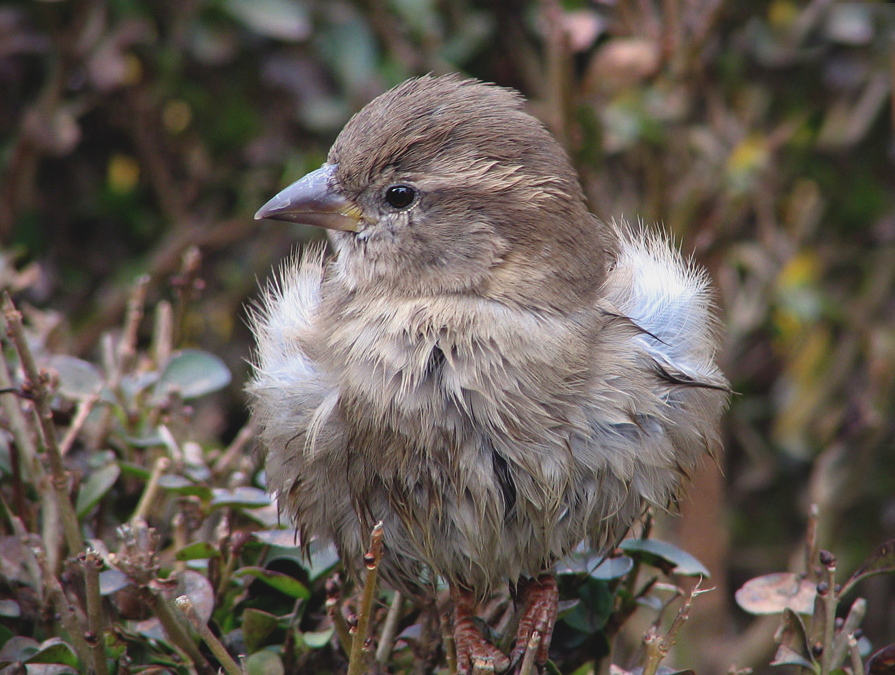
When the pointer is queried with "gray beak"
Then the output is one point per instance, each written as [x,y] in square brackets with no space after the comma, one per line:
[312,200]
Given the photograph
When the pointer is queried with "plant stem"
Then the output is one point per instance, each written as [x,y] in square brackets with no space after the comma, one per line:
[175,630]
[371,561]
[185,605]
[147,500]
[390,629]
[66,611]
[40,391]
[91,562]
[830,601]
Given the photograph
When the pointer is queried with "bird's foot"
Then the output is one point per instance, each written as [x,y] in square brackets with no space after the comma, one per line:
[541,598]
[473,651]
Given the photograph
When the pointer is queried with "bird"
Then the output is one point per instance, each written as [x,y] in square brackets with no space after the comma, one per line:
[476,361]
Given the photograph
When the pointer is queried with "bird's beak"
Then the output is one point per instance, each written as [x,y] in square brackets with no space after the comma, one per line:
[312,200]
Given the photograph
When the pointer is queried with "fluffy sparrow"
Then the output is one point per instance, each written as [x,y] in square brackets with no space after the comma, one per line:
[481,364]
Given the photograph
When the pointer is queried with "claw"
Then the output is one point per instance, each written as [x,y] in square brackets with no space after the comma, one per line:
[474,653]
[541,598]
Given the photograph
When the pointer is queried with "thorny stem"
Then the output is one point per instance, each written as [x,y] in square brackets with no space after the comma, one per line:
[390,629]
[185,605]
[371,560]
[38,382]
[91,562]
[147,500]
[531,650]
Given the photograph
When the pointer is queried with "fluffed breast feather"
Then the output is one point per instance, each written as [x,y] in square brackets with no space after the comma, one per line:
[514,495]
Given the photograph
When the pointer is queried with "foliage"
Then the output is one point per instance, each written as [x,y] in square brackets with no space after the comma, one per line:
[136,142]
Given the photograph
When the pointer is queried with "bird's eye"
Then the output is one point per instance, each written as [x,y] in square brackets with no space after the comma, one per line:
[400,196]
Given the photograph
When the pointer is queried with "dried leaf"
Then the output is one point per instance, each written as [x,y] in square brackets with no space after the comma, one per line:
[793,639]
[774,593]
[883,662]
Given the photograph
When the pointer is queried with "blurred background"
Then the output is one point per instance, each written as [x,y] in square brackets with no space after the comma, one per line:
[759,133]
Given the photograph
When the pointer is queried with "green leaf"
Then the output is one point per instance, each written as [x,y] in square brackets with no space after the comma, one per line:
[282,582]
[57,652]
[264,663]
[257,627]
[591,614]
[77,378]
[596,565]
[19,648]
[112,580]
[96,486]
[280,538]
[135,470]
[10,608]
[323,557]
[197,551]
[318,639]
[245,497]
[279,19]
[663,555]
[882,560]
[184,486]
[192,373]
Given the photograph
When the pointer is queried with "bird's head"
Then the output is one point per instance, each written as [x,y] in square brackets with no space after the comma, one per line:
[446,185]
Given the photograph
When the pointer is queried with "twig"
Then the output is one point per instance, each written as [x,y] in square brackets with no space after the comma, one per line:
[857,667]
[185,605]
[390,629]
[174,629]
[372,559]
[147,500]
[85,407]
[235,451]
[91,562]
[162,333]
[830,602]
[658,646]
[38,382]
[335,614]
[18,425]
[531,650]
[64,608]
[450,647]
[849,626]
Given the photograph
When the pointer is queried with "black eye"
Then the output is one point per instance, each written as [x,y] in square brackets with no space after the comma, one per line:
[400,196]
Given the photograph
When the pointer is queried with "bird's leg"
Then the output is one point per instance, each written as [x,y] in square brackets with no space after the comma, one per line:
[541,602]
[471,645]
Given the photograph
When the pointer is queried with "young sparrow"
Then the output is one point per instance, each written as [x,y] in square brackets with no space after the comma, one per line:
[481,364]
